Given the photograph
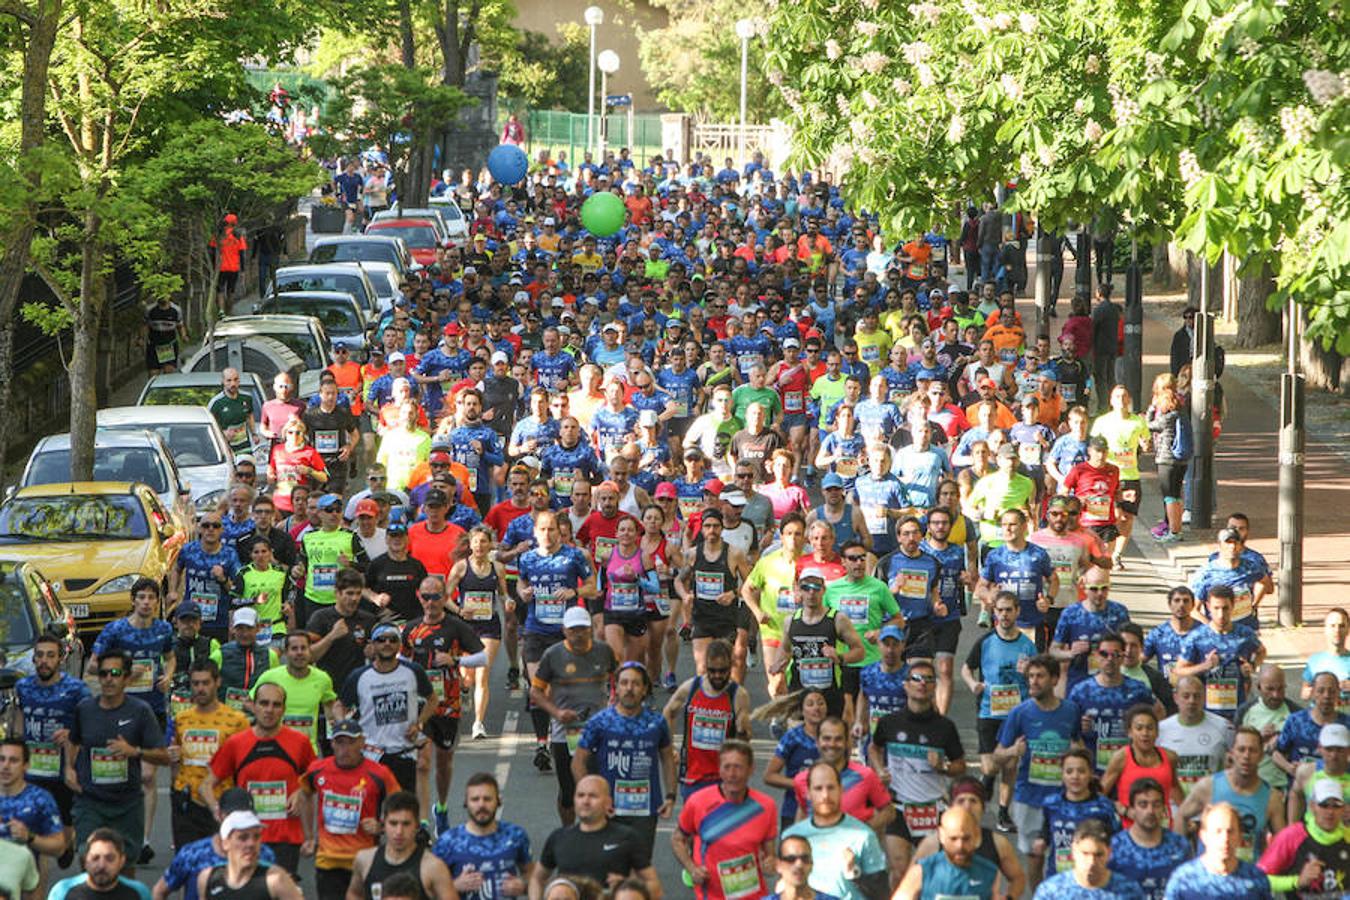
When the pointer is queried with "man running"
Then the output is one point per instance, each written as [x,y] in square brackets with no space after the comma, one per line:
[713,709]
[242,876]
[594,845]
[488,857]
[399,852]
[727,831]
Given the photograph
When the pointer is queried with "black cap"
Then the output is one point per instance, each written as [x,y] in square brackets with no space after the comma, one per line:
[235,799]
[436,497]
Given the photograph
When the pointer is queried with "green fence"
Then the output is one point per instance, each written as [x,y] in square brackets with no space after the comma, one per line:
[566,131]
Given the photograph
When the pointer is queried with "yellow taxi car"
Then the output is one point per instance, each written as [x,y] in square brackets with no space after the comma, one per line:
[92,541]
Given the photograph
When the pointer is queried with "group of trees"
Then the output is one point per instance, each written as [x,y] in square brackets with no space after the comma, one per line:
[1220,124]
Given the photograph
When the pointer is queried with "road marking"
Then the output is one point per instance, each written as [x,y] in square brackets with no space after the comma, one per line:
[507,744]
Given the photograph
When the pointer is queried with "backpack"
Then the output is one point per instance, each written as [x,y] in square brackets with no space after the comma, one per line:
[1183,439]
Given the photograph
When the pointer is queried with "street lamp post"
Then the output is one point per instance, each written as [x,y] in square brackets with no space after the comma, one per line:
[1292,446]
[745,30]
[594,17]
[608,61]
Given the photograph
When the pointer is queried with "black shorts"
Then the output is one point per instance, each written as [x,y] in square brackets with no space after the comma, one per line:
[987,731]
[228,280]
[287,856]
[946,635]
[536,644]
[678,428]
[404,767]
[850,680]
[443,731]
[488,628]
[712,620]
[745,620]
[1170,478]
[1108,533]
[63,796]
[1130,506]
[562,767]
[152,360]
[595,605]
[331,882]
[189,821]
[722,630]
[633,627]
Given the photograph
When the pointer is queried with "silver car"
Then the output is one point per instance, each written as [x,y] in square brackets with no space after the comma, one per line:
[119,455]
[193,436]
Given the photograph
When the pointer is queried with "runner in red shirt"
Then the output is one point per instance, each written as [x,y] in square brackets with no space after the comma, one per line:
[515,506]
[230,247]
[1096,484]
[601,527]
[350,790]
[435,541]
[267,760]
[294,464]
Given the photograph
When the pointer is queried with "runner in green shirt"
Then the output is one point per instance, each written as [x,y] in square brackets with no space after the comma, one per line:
[757,391]
[829,388]
[768,591]
[1000,491]
[867,602]
[1126,434]
[234,412]
[308,689]
[268,586]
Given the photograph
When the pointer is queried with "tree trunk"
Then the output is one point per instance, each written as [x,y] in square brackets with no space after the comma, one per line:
[1321,367]
[84,354]
[1257,325]
[408,48]
[45,17]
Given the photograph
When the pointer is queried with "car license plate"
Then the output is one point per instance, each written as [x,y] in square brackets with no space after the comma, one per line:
[78,610]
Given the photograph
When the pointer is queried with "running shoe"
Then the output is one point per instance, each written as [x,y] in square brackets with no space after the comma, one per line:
[1186,517]
[543,760]
[147,854]
[1005,823]
[669,682]
[479,731]
[513,679]
[442,817]
[1160,529]
[985,621]
[1170,537]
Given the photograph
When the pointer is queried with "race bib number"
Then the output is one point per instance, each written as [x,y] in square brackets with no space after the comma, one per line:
[846,467]
[739,877]
[1045,766]
[199,745]
[1098,507]
[326,441]
[793,402]
[708,585]
[1221,693]
[106,766]
[604,546]
[1122,459]
[302,724]
[689,506]
[341,812]
[269,799]
[624,597]
[912,585]
[870,353]
[572,735]
[209,602]
[563,479]
[166,353]
[681,409]
[1106,748]
[235,698]
[816,672]
[786,602]
[855,607]
[921,818]
[1242,605]
[325,577]
[549,608]
[179,702]
[632,798]
[476,605]
[142,676]
[44,760]
[707,731]
[1003,698]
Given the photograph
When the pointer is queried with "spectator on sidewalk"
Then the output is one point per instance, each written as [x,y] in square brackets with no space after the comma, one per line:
[1105,341]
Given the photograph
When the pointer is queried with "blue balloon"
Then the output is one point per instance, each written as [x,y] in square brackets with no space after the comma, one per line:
[508,164]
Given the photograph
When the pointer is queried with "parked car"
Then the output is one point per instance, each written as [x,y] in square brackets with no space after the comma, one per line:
[348,278]
[93,540]
[361,247]
[304,345]
[456,226]
[122,456]
[197,389]
[420,235]
[342,317]
[386,280]
[193,436]
[30,608]
[399,212]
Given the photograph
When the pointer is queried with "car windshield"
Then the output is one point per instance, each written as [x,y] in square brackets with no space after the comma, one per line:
[199,395]
[337,318]
[110,464]
[190,443]
[17,627]
[355,251]
[346,284]
[413,235]
[73,518]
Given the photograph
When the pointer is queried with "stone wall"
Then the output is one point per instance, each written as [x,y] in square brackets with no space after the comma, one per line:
[474,134]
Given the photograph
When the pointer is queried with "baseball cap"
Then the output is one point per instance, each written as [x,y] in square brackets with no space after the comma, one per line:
[1229,535]
[367,507]
[792,342]
[713,486]
[521,296]
[348,728]
[648,418]
[734,497]
[832,480]
[235,799]
[341,345]
[396,356]
[470,270]
[611,327]
[894,632]
[1007,451]
[1097,442]
[557,302]
[500,357]
[576,617]
[452,328]
[1334,735]
[188,609]
[664,489]
[606,485]
[377,350]
[239,820]
[397,524]
[693,453]
[811,578]
[245,616]
[330,501]
[480,237]
[436,497]
[987,382]
[548,220]
[1326,790]
[384,628]
[440,456]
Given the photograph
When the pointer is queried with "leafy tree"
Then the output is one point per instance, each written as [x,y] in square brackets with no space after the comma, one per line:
[547,75]
[694,63]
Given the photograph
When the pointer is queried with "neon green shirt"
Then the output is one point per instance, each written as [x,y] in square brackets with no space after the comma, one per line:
[995,494]
[774,574]
[1125,437]
[868,603]
[873,348]
[305,697]
[827,393]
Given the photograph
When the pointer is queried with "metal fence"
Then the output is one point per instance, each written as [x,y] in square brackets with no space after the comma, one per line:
[556,131]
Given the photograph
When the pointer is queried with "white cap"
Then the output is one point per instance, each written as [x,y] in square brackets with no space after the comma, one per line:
[245,616]
[1334,735]
[522,295]
[576,617]
[395,357]
[548,220]
[499,356]
[239,820]
[1327,789]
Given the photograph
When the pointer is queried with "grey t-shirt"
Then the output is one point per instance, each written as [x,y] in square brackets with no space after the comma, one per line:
[577,681]
[103,775]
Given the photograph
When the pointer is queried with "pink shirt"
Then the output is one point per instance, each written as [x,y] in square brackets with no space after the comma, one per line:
[785,499]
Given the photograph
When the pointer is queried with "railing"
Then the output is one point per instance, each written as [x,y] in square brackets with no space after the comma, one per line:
[720,140]
[556,131]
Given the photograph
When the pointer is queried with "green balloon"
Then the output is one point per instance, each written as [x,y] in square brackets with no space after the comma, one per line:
[602,214]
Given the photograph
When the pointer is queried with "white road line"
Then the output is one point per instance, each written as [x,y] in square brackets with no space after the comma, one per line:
[507,744]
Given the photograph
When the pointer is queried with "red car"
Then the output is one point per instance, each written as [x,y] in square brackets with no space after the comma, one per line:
[420,235]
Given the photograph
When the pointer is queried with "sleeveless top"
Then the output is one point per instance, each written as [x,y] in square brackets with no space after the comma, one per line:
[628,503]
[658,604]
[478,594]
[843,529]
[712,578]
[217,888]
[942,878]
[623,594]
[1251,810]
[381,868]
[806,642]
[1162,773]
[708,722]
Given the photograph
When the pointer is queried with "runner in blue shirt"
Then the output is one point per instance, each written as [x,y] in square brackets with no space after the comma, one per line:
[568,461]
[1218,874]
[1104,698]
[553,369]
[207,572]
[1025,570]
[488,858]
[1079,800]
[881,497]
[1146,852]
[1163,643]
[28,814]
[795,751]
[1089,878]
[1082,625]
[912,576]
[448,361]
[628,744]
[1249,579]
[1222,654]
[477,447]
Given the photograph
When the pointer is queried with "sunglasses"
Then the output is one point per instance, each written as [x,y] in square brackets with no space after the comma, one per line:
[793,858]
[210,525]
[111,673]
[387,639]
[1095,588]
[1110,654]
[855,557]
[722,671]
[923,679]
